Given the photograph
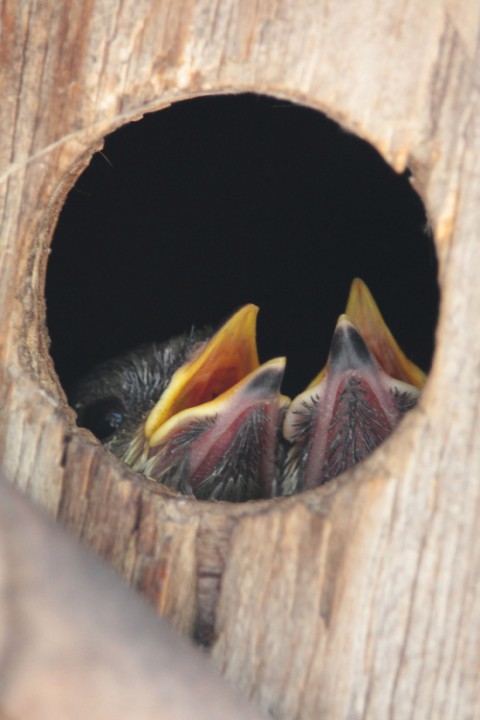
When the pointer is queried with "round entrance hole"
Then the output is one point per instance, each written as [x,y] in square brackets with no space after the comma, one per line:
[217,202]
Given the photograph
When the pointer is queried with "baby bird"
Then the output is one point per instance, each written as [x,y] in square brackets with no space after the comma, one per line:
[197,413]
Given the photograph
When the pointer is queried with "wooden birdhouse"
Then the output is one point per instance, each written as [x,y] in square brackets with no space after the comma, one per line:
[355,599]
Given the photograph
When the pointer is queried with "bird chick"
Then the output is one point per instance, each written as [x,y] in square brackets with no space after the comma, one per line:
[114,399]
[198,415]
[354,403]
[350,409]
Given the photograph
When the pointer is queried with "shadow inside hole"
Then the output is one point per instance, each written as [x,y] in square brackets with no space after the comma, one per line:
[216,202]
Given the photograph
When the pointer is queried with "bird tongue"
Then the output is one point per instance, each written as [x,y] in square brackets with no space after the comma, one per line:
[352,407]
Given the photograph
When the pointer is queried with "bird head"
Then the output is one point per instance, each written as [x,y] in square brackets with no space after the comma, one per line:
[350,408]
[198,414]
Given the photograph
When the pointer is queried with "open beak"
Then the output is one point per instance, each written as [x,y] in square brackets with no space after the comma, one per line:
[352,407]
[214,431]
[220,363]
[363,312]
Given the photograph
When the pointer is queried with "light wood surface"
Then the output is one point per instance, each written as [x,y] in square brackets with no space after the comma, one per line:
[359,599]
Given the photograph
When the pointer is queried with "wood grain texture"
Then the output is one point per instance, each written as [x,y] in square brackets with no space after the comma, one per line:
[74,643]
[357,600]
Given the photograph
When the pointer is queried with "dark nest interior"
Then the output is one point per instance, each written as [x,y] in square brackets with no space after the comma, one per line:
[219,201]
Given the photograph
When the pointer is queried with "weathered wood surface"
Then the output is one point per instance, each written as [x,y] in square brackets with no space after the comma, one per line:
[75,644]
[357,600]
